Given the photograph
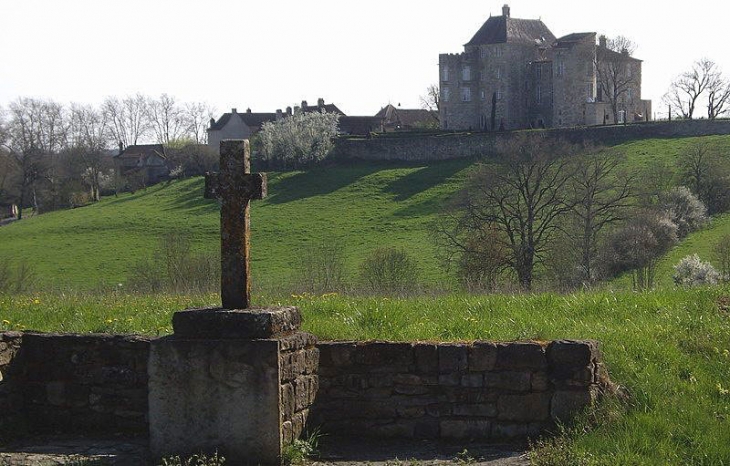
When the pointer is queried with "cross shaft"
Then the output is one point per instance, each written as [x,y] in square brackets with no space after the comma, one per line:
[235,187]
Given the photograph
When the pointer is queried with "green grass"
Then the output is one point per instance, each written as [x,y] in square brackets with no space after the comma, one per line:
[670,349]
[364,206]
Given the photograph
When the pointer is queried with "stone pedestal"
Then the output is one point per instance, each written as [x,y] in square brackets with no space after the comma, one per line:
[239,382]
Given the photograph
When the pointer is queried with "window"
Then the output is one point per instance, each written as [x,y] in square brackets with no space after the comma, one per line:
[499,72]
[589,93]
[561,67]
[466,73]
[498,52]
[445,73]
[538,71]
[499,94]
[484,53]
[629,94]
[628,70]
[445,94]
[482,95]
[465,94]
[538,94]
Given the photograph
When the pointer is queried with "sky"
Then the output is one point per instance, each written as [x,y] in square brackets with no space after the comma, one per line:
[270,54]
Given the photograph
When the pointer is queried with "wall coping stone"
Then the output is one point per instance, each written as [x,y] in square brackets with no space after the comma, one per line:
[218,323]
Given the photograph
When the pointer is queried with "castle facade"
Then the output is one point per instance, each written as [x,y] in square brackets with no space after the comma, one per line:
[515,74]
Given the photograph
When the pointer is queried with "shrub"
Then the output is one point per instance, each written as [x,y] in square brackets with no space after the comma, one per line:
[321,266]
[389,269]
[722,256]
[691,271]
[684,209]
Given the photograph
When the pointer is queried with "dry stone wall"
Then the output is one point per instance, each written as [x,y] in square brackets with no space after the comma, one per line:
[75,383]
[479,390]
[299,361]
[436,147]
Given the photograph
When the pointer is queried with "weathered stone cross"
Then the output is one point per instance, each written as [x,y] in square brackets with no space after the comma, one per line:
[235,186]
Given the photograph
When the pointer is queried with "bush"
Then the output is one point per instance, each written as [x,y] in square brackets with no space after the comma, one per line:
[321,267]
[691,271]
[389,269]
[684,209]
[722,256]
[174,268]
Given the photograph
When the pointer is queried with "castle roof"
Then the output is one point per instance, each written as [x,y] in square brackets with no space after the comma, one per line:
[503,29]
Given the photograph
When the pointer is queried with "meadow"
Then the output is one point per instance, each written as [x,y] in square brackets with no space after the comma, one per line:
[669,348]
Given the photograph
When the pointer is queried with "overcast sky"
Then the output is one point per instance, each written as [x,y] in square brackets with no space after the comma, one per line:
[267,54]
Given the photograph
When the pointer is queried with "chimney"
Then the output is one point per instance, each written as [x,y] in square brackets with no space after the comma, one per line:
[288,111]
[505,11]
[121,147]
[212,122]
[304,104]
[602,41]
[279,114]
[233,110]
[248,110]
[320,102]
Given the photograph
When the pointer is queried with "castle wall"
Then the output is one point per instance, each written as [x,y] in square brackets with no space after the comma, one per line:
[234,129]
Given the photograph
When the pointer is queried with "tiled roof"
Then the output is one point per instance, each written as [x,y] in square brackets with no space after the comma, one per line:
[252,120]
[503,29]
[406,117]
[144,150]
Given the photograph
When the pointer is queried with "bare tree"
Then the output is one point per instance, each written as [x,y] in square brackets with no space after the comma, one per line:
[602,197]
[686,89]
[615,73]
[167,119]
[128,120]
[702,169]
[197,117]
[88,139]
[430,101]
[718,95]
[521,196]
[36,131]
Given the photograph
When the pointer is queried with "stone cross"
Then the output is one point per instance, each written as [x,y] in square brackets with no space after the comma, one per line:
[234,187]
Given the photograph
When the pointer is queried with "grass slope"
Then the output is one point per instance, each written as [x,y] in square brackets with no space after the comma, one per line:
[363,206]
[670,349]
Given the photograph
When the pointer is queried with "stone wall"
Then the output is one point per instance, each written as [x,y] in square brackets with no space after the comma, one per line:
[445,146]
[299,361]
[11,397]
[75,383]
[480,390]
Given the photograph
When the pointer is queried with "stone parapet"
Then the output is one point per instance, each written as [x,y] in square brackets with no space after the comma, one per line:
[481,390]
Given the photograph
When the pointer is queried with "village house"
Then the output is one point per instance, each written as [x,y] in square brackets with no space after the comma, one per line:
[235,125]
[514,73]
[142,164]
[407,119]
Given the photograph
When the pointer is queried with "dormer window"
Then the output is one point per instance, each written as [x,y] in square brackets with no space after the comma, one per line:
[466,73]
[445,73]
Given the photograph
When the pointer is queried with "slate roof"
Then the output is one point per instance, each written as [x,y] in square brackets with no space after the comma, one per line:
[359,124]
[405,117]
[252,120]
[143,150]
[329,108]
[503,29]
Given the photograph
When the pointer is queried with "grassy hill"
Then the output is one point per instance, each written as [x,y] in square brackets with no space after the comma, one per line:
[360,206]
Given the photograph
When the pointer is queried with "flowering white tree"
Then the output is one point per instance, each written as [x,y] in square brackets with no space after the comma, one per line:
[691,271]
[298,140]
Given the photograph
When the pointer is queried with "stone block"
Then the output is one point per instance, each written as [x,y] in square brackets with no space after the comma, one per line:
[450,380]
[410,412]
[472,380]
[527,407]
[571,353]
[380,380]
[395,429]
[426,428]
[520,355]
[336,353]
[311,361]
[452,358]
[460,429]
[297,341]
[411,389]
[509,430]
[222,324]
[508,380]
[566,404]
[218,394]
[482,356]
[426,358]
[540,381]
[475,410]
[287,401]
[385,354]
[439,410]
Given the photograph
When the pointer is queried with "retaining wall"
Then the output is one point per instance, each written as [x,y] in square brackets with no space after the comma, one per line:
[480,390]
[444,146]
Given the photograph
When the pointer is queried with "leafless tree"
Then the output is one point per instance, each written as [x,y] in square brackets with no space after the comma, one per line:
[167,119]
[703,170]
[686,89]
[718,95]
[36,132]
[430,101]
[615,73]
[197,117]
[521,198]
[88,139]
[602,196]
[128,119]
